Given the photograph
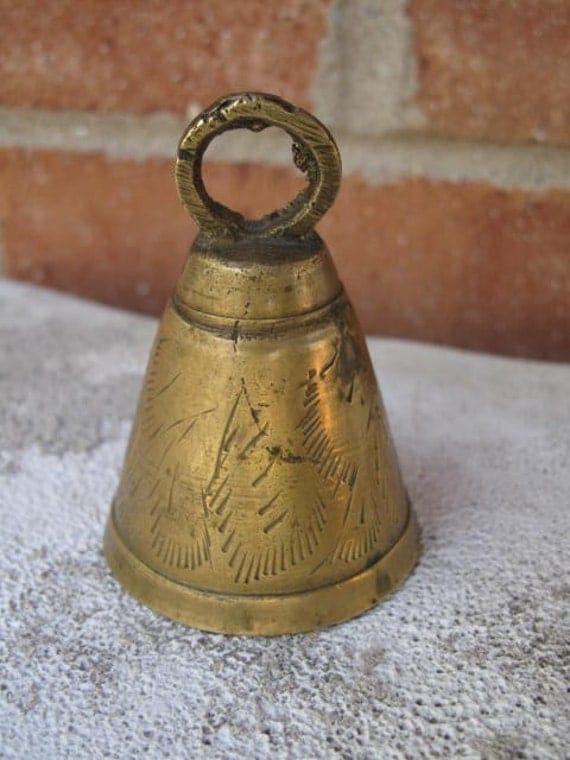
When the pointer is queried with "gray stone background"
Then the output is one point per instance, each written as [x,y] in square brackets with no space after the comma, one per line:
[468,660]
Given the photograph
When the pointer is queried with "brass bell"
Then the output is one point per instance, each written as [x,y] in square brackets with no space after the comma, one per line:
[260,492]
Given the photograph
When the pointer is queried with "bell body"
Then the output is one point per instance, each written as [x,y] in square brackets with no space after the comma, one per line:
[260,492]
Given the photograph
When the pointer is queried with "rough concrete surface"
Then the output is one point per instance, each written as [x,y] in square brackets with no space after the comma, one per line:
[468,660]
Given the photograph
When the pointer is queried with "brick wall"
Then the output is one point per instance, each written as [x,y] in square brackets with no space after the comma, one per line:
[453,222]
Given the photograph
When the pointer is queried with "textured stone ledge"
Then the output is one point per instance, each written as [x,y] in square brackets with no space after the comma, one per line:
[466,660]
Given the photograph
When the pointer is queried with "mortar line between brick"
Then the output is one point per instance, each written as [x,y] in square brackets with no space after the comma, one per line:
[380,161]
[2,252]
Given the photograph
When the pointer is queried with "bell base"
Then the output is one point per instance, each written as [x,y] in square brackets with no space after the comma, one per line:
[264,615]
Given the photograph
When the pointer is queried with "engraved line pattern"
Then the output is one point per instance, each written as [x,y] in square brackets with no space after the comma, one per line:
[318,446]
[363,513]
[283,540]
[287,533]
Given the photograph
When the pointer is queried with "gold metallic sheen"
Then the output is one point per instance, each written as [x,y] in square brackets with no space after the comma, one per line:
[260,492]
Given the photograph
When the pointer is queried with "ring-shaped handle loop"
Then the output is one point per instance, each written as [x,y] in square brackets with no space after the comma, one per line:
[314,150]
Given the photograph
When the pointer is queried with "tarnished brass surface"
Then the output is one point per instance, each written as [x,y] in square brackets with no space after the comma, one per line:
[260,492]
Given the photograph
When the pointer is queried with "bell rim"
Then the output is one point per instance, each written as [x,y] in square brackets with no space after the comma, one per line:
[270,614]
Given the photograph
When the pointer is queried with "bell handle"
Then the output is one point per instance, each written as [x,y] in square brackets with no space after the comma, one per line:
[314,152]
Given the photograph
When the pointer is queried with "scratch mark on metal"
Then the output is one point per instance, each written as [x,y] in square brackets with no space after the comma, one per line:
[274,523]
[166,387]
[330,363]
[221,447]
[254,412]
[348,505]
[265,473]
[251,444]
[266,507]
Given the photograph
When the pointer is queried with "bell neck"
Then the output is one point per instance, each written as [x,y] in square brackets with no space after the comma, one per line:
[253,279]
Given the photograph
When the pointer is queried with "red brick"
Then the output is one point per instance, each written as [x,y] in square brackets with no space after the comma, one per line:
[465,264]
[493,69]
[114,231]
[153,55]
